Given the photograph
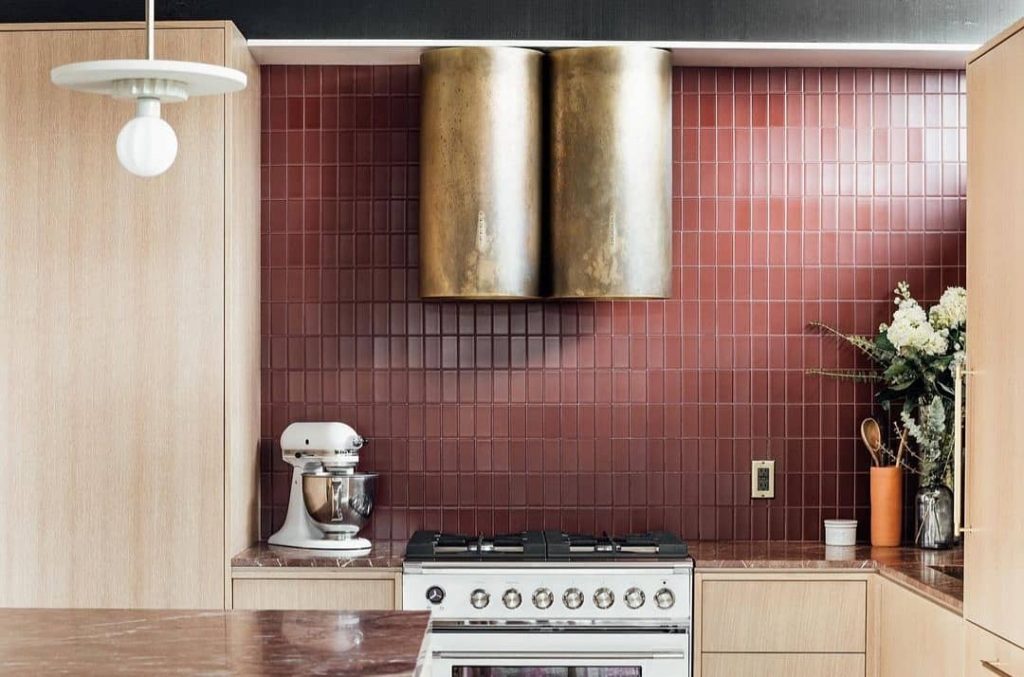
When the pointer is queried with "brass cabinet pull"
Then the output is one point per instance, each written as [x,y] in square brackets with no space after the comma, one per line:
[994,667]
[959,376]
[958,442]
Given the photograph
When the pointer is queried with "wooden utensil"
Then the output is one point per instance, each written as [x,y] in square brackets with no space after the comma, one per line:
[871,434]
[903,445]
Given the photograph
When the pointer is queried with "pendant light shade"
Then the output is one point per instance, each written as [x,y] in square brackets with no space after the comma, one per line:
[480,157]
[147,145]
[611,172]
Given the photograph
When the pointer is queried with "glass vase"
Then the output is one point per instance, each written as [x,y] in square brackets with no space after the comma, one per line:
[935,517]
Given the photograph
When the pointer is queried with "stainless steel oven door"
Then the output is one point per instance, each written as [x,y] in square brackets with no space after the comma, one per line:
[547,650]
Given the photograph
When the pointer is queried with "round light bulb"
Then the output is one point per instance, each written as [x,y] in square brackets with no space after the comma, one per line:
[147,145]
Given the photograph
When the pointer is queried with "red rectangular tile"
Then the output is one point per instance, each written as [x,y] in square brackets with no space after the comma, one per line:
[800,194]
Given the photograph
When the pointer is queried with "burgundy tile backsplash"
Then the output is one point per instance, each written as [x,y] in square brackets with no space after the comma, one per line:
[800,194]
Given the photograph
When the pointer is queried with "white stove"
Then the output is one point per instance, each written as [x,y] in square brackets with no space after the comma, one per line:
[547,604]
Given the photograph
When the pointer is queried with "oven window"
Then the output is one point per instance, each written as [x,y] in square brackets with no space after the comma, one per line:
[526,671]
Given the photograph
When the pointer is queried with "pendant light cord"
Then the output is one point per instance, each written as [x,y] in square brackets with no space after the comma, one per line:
[150,32]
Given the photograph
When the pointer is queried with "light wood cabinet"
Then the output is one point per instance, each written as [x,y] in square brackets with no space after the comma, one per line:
[783,623]
[331,590]
[990,656]
[994,545]
[129,371]
[783,665]
[785,616]
[917,636]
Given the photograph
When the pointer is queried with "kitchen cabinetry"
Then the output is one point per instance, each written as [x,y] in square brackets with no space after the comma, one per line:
[917,636]
[994,542]
[991,656]
[330,589]
[763,622]
[790,665]
[129,356]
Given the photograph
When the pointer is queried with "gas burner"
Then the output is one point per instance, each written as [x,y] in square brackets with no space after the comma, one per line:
[437,546]
[543,546]
[655,544]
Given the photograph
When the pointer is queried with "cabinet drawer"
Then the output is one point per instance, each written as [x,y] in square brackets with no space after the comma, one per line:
[991,656]
[788,664]
[784,616]
[331,594]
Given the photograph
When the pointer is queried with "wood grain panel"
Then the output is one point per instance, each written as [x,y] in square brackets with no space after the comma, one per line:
[917,636]
[786,616]
[111,357]
[241,305]
[986,655]
[323,593]
[994,549]
[790,665]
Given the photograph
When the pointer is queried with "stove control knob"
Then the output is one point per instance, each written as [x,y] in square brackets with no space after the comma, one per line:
[573,598]
[635,598]
[435,595]
[604,598]
[512,598]
[542,598]
[479,599]
[664,598]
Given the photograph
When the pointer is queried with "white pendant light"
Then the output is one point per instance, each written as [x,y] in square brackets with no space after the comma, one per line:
[147,145]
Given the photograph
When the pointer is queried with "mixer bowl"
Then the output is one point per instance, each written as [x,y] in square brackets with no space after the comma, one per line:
[339,503]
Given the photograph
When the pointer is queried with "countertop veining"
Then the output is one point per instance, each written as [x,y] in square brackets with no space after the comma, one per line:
[907,565]
[137,642]
[383,555]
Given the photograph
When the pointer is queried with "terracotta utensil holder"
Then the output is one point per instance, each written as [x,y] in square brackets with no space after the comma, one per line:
[886,506]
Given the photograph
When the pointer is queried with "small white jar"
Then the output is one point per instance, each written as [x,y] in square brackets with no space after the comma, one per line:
[840,532]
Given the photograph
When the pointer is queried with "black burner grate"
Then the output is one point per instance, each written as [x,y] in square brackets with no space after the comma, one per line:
[543,546]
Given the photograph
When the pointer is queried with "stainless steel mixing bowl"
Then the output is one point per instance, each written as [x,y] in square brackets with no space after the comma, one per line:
[339,503]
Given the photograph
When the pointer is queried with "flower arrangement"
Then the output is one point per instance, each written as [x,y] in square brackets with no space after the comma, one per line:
[916,356]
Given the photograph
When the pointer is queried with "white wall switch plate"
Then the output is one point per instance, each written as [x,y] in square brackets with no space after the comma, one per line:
[762,479]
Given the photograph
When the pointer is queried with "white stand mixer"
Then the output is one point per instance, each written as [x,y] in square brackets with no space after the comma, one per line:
[329,502]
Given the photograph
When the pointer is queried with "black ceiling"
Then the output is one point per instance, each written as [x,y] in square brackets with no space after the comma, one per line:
[922,21]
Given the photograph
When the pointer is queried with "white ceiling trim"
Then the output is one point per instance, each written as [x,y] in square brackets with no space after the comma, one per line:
[692,53]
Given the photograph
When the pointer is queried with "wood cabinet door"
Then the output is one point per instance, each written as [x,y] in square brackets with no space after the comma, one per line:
[350,593]
[112,339]
[994,548]
[989,656]
[916,636]
[783,616]
[788,664]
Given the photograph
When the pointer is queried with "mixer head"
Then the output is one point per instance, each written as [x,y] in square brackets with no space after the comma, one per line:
[333,446]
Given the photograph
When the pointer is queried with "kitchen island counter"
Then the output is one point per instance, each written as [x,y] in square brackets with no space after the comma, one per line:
[147,642]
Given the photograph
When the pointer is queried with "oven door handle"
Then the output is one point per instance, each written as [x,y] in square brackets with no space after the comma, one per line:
[555,655]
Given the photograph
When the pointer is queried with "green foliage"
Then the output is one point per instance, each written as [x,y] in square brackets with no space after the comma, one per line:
[914,362]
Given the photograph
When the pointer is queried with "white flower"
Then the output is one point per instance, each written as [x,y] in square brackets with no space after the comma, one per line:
[951,310]
[910,330]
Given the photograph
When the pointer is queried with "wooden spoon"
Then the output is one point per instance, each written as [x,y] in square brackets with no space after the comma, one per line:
[871,434]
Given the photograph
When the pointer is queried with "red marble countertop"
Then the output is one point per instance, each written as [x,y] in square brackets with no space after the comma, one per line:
[907,565]
[383,555]
[122,642]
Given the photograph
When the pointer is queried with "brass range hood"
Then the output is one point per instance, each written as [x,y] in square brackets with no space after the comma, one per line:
[611,172]
[480,191]
[608,166]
